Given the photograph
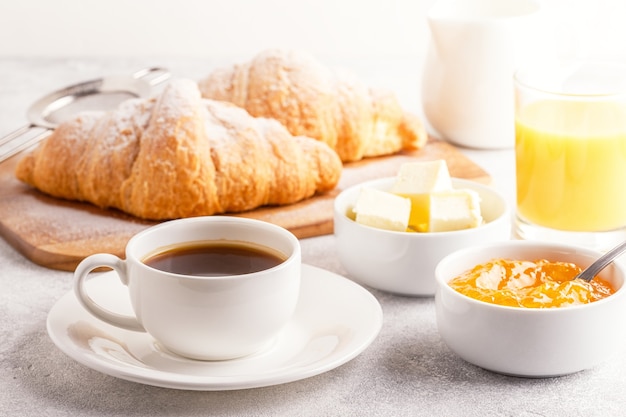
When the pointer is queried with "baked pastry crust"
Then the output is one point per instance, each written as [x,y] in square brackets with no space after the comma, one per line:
[312,100]
[178,155]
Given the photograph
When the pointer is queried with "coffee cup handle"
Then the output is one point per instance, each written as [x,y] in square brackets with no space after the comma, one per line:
[80,275]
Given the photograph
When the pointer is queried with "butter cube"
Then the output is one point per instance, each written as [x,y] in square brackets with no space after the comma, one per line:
[417,180]
[454,210]
[422,178]
[382,210]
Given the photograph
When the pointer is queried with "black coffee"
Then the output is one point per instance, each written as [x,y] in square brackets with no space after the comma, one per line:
[215,258]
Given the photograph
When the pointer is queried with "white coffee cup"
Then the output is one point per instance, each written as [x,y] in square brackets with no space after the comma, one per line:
[199,317]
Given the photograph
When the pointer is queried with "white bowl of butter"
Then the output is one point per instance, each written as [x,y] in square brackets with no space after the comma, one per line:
[378,253]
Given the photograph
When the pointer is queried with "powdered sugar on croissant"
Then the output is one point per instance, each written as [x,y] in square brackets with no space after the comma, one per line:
[178,155]
[312,100]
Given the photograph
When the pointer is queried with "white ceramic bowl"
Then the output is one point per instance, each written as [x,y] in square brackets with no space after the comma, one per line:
[404,262]
[524,341]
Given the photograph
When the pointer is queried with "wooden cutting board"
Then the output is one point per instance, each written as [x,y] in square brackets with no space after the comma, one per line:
[58,234]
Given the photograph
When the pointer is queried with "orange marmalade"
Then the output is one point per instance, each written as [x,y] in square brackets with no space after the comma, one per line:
[538,284]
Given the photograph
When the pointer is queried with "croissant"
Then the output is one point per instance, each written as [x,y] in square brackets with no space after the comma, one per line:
[178,155]
[310,99]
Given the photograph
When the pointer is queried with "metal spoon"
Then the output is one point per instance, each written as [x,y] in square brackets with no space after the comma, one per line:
[592,270]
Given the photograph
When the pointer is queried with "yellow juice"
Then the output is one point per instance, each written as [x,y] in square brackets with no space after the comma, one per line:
[571,164]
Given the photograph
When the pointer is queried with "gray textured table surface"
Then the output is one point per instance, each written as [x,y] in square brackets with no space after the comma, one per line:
[406,371]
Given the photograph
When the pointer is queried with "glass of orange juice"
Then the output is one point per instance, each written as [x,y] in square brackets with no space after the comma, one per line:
[570,150]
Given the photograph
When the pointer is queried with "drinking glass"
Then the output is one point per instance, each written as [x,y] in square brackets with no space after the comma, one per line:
[570,150]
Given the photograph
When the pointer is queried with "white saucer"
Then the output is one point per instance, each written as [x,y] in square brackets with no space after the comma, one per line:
[336,319]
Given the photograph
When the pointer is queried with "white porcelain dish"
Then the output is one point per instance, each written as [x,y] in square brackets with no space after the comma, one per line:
[530,342]
[404,262]
[335,321]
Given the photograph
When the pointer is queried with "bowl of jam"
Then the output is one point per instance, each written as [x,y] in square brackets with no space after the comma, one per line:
[514,308]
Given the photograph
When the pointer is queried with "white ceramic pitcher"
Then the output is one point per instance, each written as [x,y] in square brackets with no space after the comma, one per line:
[467,89]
